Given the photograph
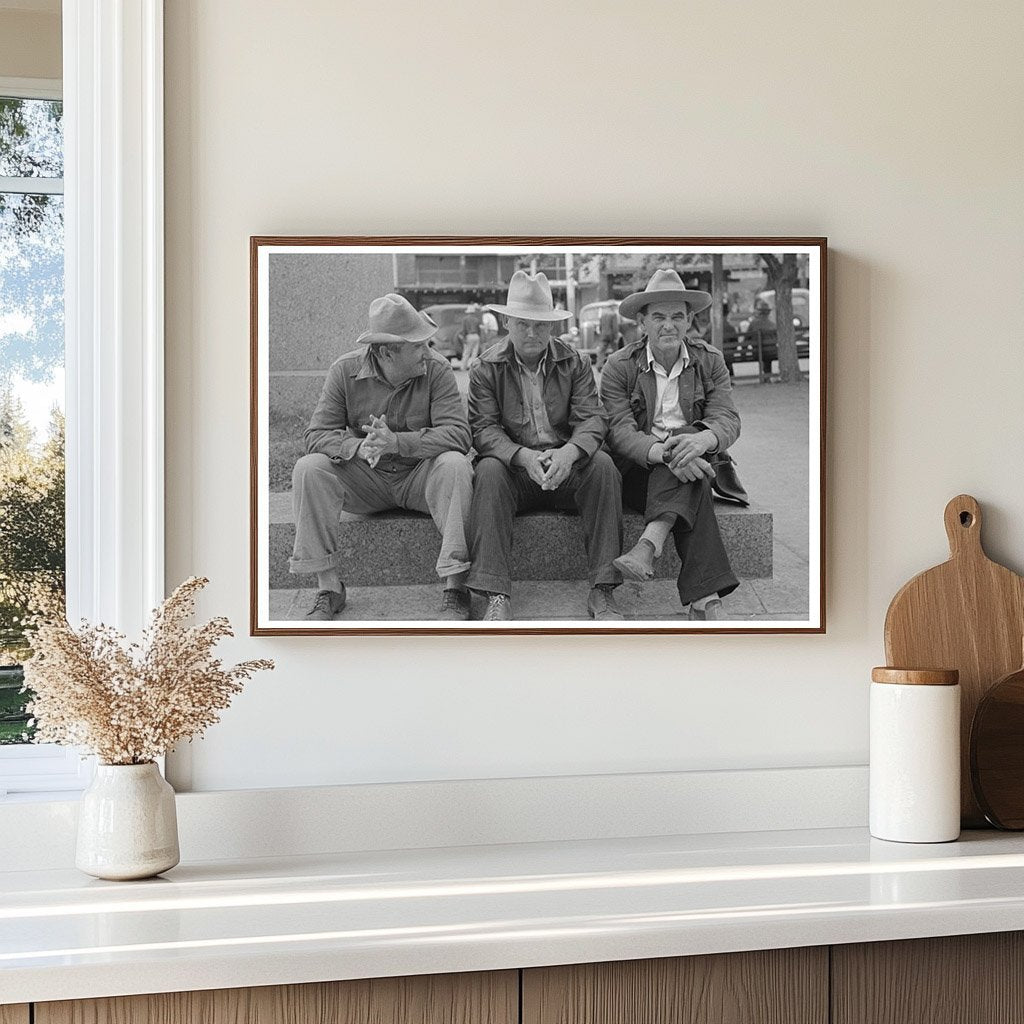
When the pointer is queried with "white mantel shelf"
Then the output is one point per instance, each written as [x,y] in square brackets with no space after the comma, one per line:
[225,924]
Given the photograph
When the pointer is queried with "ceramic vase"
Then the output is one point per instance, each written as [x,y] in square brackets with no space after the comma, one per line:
[127,825]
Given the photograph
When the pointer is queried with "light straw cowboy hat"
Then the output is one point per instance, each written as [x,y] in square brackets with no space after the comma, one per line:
[665,286]
[393,318]
[529,298]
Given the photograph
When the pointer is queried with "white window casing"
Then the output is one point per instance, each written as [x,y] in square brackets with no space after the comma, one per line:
[113,169]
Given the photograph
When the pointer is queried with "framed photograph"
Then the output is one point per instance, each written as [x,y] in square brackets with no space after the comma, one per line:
[537,435]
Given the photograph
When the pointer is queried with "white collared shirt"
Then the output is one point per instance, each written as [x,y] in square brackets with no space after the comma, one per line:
[668,416]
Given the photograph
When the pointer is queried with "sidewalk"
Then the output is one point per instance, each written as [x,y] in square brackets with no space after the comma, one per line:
[782,597]
[772,456]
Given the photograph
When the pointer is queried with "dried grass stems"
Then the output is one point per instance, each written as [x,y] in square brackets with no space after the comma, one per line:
[130,703]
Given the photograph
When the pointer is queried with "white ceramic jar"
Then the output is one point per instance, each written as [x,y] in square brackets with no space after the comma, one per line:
[127,823]
[915,755]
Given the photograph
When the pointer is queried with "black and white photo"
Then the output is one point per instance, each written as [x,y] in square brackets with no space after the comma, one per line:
[537,435]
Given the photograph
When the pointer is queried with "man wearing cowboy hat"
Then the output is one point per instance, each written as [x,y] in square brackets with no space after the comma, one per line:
[670,407]
[538,426]
[388,432]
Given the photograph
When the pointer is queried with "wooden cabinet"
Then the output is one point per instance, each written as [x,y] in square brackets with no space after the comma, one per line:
[776,986]
[491,998]
[967,979]
[962,979]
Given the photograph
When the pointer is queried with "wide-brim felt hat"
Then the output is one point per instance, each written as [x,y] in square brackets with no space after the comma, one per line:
[529,298]
[665,286]
[393,318]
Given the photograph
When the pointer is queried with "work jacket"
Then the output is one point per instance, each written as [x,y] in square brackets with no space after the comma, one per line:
[498,413]
[426,411]
[630,395]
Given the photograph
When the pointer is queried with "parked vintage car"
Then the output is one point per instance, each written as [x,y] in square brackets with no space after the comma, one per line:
[448,316]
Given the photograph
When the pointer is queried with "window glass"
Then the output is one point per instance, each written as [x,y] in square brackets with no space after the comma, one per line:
[31,387]
[31,138]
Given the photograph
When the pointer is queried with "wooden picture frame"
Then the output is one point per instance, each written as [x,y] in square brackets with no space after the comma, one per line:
[309,302]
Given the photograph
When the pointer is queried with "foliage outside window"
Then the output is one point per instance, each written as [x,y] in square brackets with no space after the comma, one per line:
[32,542]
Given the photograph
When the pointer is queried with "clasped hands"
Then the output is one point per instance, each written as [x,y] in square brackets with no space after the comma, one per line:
[684,455]
[380,440]
[550,468]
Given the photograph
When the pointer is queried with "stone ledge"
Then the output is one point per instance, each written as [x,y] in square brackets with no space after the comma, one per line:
[398,548]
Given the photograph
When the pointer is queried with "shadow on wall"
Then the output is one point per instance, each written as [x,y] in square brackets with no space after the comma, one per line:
[848,453]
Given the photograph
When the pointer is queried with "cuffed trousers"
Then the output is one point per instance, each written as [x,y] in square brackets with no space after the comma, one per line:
[499,493]
[323,488]
[705,569]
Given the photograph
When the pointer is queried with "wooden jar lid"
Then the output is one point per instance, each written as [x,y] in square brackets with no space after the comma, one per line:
[916,676]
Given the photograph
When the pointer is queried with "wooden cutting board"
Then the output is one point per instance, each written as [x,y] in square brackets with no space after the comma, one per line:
[967,614]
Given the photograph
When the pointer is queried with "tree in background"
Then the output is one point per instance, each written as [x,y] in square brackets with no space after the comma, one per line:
[31,349]
[31,243]
[782,277]
[681,262]
[32,572]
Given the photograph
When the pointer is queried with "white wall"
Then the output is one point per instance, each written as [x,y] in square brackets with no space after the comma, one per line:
[895,129]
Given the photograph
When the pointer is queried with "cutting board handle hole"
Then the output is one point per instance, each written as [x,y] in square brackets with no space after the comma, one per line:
[966,519]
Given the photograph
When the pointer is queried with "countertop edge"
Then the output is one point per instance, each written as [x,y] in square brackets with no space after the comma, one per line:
[238,924]
[244,969]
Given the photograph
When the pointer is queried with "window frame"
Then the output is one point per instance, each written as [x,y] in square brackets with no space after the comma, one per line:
[112,90]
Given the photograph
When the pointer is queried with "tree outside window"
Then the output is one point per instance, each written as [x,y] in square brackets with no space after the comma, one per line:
[32,542]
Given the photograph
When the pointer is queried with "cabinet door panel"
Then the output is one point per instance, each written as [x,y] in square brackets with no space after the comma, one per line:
[959,979]
[14,1014]
[482,998]
[777,986]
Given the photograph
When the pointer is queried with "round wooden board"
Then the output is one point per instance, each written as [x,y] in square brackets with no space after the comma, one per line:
[997,752]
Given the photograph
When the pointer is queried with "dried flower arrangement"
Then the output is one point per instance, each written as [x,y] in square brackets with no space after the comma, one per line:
[129,704]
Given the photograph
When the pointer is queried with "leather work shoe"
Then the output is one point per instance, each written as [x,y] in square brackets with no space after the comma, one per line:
[499,608]
[638,562]
[711,612]
[601,604]
[327,604]
[455,605]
